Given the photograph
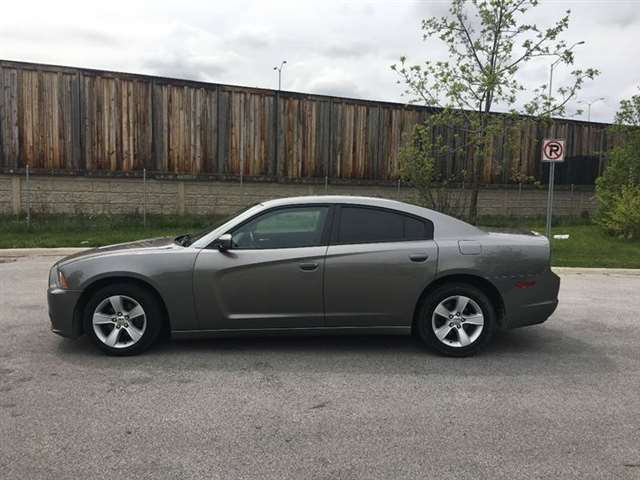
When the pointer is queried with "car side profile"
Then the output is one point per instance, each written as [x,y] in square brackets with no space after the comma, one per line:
[309,265]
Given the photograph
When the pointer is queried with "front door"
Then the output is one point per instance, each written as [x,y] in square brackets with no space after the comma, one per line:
[271,278]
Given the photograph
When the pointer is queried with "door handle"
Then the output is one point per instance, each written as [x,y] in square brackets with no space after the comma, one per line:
[418,257]
[308,267]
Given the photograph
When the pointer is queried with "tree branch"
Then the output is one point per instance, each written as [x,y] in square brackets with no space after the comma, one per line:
[472,48]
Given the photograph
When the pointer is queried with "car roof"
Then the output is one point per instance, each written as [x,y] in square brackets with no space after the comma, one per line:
[352,199]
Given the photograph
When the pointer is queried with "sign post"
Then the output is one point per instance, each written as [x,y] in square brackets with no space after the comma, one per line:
[552,152]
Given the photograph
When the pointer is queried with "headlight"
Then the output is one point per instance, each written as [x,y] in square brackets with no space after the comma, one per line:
[53,278]
[57,279]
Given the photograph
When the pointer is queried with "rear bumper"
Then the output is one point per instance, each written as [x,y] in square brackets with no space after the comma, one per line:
[62,306]
[531,314]
[531,306]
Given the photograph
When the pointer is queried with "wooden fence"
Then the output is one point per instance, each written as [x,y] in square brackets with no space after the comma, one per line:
[61,118]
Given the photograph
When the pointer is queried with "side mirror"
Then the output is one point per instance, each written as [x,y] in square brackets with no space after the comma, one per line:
[224,242]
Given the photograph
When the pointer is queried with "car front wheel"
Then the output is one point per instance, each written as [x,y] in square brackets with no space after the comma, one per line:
[456,320]
[123,319]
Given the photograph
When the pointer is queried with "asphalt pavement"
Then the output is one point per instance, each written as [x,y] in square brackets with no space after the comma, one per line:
[560,400]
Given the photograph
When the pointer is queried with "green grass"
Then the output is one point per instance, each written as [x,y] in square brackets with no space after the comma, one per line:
[94,231]
[590,246]
[587,246]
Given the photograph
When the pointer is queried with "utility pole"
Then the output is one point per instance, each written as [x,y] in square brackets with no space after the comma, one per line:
[279,69]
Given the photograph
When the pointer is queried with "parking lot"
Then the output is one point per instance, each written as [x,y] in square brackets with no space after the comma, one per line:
[561,400]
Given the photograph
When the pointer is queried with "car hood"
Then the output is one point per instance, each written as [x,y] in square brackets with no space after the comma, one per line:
[129,247]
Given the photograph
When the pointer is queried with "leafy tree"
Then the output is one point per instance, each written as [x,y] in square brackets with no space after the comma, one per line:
[618,189]
[488,43]
[416,159]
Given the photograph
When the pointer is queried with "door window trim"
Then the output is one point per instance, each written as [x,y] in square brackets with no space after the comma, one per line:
[324,237]
[338,217]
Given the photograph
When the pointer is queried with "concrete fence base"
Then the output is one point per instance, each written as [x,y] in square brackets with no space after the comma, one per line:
[105,195]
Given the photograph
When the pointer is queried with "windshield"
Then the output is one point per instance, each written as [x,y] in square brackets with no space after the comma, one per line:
[187,239]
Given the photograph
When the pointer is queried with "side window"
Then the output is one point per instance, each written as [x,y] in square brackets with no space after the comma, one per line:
[415,229]
[367,225]
[283,228]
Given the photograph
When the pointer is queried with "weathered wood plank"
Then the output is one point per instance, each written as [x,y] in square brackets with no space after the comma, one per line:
[63,118]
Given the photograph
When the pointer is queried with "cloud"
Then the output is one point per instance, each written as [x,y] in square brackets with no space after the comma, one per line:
[251,37]
[187,52]
[335,82]
[620,15]
[332,47]
[424,9]
[348,49]
[70,35]
[187,67]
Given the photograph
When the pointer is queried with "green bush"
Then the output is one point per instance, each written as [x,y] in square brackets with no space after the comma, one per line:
[623,213]
[618,189]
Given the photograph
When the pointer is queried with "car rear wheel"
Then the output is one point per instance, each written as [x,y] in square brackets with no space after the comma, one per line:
[123,319]
[456,320]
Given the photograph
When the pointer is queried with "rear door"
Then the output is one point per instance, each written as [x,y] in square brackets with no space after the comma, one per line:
[272,277]
[377,265]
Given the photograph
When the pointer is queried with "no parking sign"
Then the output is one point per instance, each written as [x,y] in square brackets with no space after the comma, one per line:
[553,150]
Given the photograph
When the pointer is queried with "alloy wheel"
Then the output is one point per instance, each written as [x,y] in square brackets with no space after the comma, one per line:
[119,321]
[457,321]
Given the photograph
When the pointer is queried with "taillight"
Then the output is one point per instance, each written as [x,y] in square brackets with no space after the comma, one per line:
[525,283]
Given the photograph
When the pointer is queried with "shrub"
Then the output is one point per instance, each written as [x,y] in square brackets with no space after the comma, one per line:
[618,189]
[623,213]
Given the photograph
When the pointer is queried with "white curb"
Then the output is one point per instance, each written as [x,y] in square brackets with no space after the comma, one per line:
[603,271]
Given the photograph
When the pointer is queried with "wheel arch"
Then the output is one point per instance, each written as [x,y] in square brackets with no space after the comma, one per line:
[98,283]
[488,288]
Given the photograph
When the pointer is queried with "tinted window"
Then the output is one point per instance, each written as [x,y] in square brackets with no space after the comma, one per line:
[366,225]
[415,229]
[282,228]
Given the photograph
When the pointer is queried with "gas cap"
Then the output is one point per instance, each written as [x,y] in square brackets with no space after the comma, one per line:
[469,247]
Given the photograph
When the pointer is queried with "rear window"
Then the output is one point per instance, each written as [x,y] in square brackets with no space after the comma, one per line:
[369,225]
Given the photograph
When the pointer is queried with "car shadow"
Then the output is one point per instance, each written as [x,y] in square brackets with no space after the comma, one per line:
[537,350]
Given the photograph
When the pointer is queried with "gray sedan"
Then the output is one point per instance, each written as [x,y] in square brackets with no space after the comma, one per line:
[309,265]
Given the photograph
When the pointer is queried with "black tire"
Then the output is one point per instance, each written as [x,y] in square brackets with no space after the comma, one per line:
[153,314]
[425,328]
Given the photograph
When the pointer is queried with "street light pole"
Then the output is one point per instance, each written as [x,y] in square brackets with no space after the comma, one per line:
[552,165]
[279,69]
[599,99]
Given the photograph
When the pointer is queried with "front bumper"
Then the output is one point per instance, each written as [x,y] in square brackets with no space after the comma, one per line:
[531,306]
[62,309]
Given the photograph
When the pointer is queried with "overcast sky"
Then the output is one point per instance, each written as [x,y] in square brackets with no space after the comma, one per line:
[335,48]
